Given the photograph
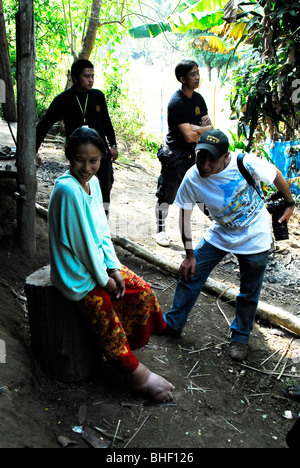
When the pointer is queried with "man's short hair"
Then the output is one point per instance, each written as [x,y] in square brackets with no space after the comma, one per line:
[183,67]
[80,65]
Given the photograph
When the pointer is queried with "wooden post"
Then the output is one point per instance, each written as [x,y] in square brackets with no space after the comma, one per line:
[60,337]
[26,154]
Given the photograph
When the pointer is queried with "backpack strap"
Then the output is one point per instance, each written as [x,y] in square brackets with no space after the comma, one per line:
[246,174]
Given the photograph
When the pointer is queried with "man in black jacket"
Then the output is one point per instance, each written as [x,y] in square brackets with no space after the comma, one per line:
[80,106]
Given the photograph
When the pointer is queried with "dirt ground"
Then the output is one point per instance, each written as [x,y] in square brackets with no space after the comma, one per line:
[217,403]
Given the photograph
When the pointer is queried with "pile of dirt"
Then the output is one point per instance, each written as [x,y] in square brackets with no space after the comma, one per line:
[217,403]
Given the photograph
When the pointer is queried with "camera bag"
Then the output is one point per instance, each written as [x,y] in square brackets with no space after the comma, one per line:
[280,230]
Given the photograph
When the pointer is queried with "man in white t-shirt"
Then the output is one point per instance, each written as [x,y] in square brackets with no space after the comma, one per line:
[241,225]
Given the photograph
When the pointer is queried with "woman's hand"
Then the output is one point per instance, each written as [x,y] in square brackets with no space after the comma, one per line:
[116,284]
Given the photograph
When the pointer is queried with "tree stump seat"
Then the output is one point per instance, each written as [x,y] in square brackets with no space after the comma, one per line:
[60,337]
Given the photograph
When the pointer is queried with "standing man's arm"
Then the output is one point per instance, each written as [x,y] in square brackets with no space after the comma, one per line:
[109,130]
[206,121]
[282,186]
[114,152]
[187,268]
[191,133]
[52,116]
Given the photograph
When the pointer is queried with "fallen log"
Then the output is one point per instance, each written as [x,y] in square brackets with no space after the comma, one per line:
[266,311]
[145,254]
[39,208]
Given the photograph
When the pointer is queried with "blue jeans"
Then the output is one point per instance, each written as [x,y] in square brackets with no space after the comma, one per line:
[252,268]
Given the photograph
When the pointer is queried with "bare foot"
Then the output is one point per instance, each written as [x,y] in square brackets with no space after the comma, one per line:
[150,385]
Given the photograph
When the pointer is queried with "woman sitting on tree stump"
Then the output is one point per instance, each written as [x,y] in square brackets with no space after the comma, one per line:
[121,308]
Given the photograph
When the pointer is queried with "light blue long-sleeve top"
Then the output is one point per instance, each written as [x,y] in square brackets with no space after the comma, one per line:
[80,246]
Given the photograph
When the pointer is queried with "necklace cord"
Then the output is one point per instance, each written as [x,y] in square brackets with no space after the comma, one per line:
[85,106]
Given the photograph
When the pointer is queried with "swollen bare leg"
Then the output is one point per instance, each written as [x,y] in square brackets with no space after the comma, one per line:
[150,385]
[110,332]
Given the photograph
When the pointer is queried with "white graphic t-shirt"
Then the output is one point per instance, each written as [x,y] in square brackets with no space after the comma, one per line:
[241,222]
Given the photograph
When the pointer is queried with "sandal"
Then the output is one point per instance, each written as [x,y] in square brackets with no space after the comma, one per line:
[296,392]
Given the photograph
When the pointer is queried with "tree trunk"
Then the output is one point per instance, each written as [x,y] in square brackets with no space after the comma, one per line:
[90,37]
[60,337]
[7,97]
[26,155]
[209,69]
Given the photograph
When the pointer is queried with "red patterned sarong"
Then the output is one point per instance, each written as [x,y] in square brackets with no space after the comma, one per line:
[121,325]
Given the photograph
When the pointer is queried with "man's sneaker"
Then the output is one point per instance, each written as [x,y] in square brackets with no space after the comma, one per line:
[238,351]
[162,239]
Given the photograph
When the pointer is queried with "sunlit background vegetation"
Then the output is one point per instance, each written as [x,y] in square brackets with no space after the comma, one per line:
[248,54]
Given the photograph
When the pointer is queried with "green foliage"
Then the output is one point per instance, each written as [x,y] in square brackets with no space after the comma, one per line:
[264,79]
[127,117]
[50,47]
[213,60]
[114,74]
[188,15]
[149,30]
[59,38]
[268,71]
[237,142]
[60,29]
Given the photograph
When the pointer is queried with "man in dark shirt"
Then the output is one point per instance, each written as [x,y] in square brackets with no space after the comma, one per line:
[78,106]
[187,120]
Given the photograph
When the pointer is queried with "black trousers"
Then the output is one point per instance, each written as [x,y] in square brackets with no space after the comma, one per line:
[169,180]
[106,179]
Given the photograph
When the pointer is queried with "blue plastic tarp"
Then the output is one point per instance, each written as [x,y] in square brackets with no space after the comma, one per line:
[288,163]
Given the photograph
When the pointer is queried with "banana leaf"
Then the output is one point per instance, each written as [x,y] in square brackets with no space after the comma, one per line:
[149,30]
